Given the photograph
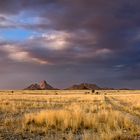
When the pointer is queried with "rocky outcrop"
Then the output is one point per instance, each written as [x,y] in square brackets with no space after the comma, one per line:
[43,85]
[84,86]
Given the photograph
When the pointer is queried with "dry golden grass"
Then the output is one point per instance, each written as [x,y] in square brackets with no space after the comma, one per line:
[129,103]
[69,117]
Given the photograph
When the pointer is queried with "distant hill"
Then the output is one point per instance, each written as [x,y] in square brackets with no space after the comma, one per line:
[84,86]
[43,85]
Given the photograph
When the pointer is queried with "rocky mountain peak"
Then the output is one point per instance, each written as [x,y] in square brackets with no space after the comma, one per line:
[43,85]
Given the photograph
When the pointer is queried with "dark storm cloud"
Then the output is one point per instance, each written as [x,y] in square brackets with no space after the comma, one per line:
[17,6]
[81,35]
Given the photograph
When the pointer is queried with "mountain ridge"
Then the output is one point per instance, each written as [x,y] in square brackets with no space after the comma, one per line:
[43,85]
[84,86]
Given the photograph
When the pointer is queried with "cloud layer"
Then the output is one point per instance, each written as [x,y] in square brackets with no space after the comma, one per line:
[70,41]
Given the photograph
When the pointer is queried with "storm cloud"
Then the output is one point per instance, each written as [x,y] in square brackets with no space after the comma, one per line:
[67,41]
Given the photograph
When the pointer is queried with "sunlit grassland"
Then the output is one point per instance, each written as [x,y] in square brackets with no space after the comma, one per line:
[110,115]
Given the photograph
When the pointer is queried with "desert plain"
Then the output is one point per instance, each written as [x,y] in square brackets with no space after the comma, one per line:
[70,115]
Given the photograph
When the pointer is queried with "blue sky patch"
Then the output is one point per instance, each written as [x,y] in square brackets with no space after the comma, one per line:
[15,34]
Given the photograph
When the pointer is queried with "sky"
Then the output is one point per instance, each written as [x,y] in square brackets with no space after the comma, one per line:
[66,42]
